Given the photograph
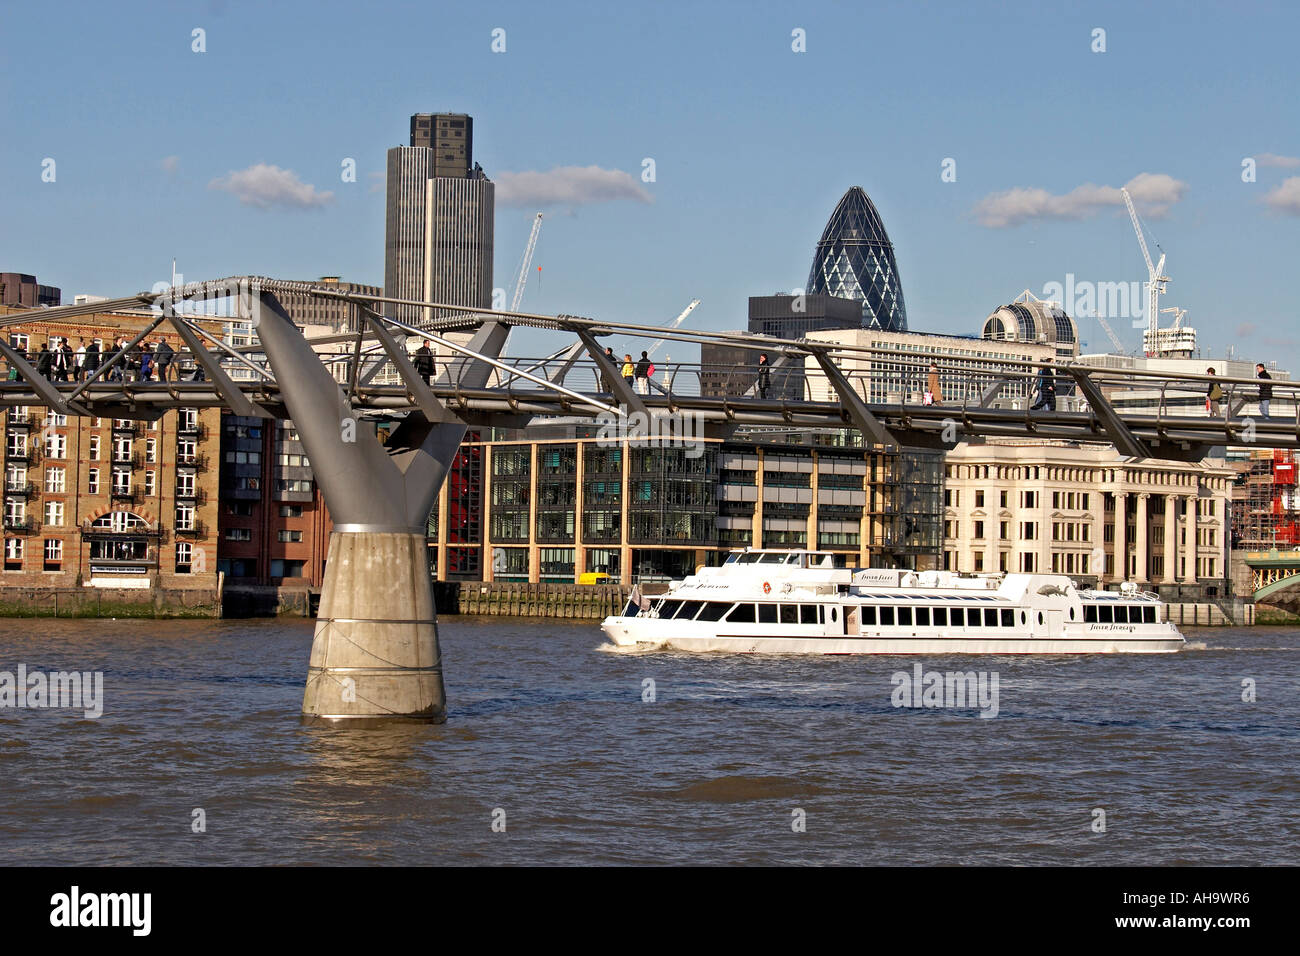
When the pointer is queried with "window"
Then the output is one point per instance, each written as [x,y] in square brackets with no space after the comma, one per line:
[239,534]
[244,508]
[688,610]
[94,448]
[990,617]
[1105,614]
[290,511]
[767,614]
[789,613]
[121,449]
[1007,616]
[808,614]
[151,450]
[904,617]
[56,446]
[713,611]
[887,616]
[184,484]
[979,499]
[742,614]
[13,554]
[92,481]
[54,513]
[184,517]
[149,483]
[55,480]
[53,554]
[295,537]
[940,617]
[868,614]
[184,557]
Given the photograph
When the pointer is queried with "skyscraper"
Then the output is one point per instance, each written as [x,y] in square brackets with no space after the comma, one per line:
[439,225]
[855,260]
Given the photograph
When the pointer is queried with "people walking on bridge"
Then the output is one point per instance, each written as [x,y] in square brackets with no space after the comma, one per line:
[629,370]
[933,389]
[1046,390]
[1213,396]
[90,361]
[79,367]
[642,371]
[605,384]
[764,375]
[163,354]
[146,363]
[424,364]
[45,361]
[1265,389]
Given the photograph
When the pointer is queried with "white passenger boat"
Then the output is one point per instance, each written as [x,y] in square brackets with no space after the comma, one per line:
[798,602]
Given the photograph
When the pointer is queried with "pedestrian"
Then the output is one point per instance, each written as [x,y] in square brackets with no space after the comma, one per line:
[1046,390]
[764,375]
[933,394]
[90,362]
[629,370]
[424,361]
[642,372]
[59,362]
[133,363]
[1213,395]
[162,359]
[45,361]
[605,384]
[79,370]
[146,363]
[1265,390]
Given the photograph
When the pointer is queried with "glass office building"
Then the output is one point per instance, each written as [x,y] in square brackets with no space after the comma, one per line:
[855,260]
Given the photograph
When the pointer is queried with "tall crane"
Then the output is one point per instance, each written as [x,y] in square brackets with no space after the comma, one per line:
[673,324]
[1155,279]
[528,260]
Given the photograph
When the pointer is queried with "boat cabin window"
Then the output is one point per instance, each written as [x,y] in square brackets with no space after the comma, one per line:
[990,617]
[904,617]
[1090,614]
[731,559]
[750,557]
[1008,617]
[1148,614]
[922,617]
[771,558]
[957,616]
[767,614]
[713,610]
[742,614]
[808,614]
[667,607]
[887,616]
[1106,614]
[688,610]
[868,614]
[789,613]
[941,617]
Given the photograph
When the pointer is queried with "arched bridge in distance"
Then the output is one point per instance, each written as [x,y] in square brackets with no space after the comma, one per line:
[375,652]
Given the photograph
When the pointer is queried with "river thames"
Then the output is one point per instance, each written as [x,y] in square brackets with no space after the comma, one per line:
[556,751]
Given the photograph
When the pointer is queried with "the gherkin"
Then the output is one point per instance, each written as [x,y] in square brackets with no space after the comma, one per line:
[855,260]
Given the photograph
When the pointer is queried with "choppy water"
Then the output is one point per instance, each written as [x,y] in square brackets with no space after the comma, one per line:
[554,732]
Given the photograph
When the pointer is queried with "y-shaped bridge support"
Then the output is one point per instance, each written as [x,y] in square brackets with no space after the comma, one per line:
[375,655]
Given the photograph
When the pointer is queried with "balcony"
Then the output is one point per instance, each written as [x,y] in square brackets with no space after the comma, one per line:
[125,495]
[30,454]
[195,529]
[24,525]
[196,430]
[21,419]
[132,461]
[135,429]
[23,489]
[197,461]
[197,495]
[90,530]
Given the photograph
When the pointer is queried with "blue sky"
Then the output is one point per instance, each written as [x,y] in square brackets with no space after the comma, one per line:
[753,144]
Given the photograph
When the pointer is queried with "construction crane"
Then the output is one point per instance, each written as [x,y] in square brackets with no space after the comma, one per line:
[528,260]
[673,324]
[1156,280]
[1114,339]
[1178,316]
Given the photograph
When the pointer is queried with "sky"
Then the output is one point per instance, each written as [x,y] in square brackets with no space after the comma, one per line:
[992,137]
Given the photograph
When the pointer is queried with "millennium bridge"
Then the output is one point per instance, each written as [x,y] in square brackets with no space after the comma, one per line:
[375,652]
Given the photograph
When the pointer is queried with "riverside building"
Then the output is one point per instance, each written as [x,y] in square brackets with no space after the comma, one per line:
[1086,511]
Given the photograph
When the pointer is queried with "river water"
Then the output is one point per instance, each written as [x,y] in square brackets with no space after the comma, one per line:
[734,760]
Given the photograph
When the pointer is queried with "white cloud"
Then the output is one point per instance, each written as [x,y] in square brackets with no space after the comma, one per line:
[1154,192]
[170,164]
[1285,198]
[568,186]
[1273,159]
[266,186]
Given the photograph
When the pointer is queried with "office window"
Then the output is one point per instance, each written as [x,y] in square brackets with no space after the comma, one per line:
[55,480]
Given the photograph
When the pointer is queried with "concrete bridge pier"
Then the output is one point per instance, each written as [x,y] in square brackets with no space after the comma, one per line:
[375,655]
